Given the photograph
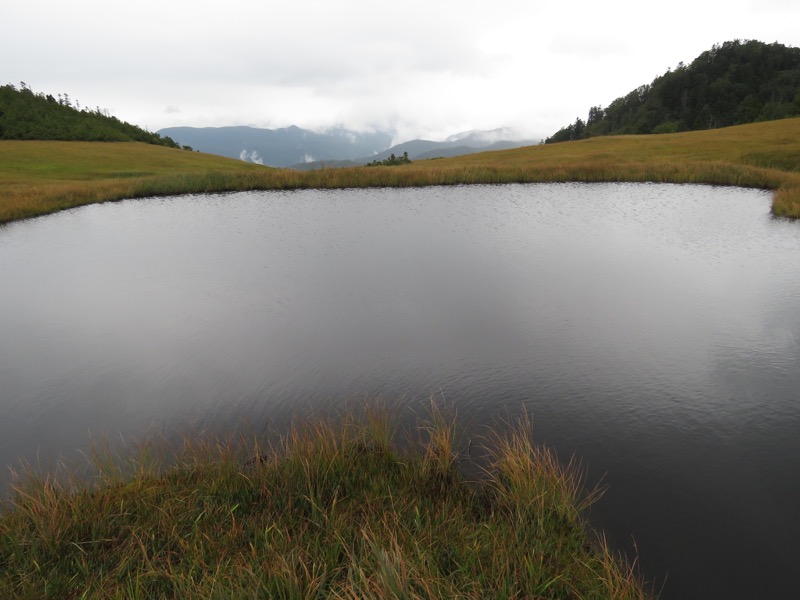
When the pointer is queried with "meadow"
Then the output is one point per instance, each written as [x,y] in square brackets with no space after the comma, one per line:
[38,178]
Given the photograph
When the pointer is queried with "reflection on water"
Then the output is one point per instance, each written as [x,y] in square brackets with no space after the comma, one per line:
[651,330]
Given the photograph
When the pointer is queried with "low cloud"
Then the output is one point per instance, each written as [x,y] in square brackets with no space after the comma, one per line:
[371,67]
[588,46]
[252,156]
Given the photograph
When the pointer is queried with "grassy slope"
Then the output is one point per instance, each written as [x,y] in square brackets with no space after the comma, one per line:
[42,177]
[335,512]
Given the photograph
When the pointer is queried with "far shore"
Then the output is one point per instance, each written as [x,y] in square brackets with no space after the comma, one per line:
[38,178]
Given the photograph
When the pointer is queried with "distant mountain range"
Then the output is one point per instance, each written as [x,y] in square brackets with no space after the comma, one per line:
[280,147]
[305,149]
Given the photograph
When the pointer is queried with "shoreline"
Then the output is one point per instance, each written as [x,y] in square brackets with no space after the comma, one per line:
[38,178]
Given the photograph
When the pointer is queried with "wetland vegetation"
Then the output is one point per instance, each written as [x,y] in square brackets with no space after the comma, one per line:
[334,509]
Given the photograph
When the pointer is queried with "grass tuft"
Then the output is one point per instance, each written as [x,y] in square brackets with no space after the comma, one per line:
[333,509]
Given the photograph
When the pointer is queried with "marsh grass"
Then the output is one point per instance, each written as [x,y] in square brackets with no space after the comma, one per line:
[43,177]
[332,509]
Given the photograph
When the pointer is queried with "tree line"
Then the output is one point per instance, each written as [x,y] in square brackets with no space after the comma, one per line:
[391,161]
[25,115]
[734,83]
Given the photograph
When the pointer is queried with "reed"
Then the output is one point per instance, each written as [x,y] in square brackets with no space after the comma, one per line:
[332,509]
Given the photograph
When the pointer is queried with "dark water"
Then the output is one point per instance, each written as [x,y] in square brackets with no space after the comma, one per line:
[651,330]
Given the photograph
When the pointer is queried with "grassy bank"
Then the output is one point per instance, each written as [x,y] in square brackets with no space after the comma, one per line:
[43,177]
[334,510]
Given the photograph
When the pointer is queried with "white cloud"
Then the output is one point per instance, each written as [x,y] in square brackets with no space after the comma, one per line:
[251,156]
[416,68]
[591,46]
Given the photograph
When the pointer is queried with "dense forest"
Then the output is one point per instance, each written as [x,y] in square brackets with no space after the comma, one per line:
[734,83]
[25,115]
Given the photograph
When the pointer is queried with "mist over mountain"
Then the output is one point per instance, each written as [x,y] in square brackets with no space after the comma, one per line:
[305,149]
[281,147]
[478,137]
[468,142]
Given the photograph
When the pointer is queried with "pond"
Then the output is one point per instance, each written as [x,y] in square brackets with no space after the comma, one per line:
[652,331]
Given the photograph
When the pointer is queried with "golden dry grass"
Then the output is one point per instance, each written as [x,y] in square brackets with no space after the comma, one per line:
[333,510]
[43,177]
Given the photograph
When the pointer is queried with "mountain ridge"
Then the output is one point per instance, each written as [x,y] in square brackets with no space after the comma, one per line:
[281,147]
[304,149]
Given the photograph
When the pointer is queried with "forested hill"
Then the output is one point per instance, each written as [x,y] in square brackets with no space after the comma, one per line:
[25,115]
[736,83]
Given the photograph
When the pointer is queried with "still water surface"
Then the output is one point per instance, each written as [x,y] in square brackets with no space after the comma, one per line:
[651,330]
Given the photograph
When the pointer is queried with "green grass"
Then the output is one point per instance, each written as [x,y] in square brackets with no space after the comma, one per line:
[333,510]
[42,177]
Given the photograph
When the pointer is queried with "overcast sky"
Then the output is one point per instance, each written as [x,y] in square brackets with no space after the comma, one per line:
[419,68]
